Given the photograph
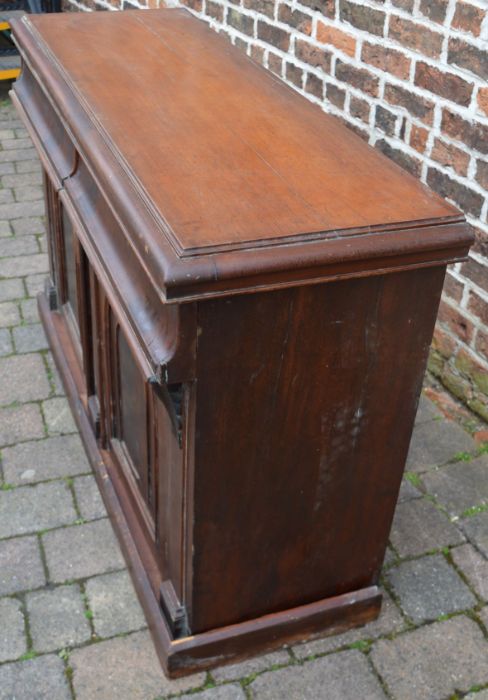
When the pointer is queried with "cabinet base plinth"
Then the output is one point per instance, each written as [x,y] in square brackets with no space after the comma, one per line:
[229,644]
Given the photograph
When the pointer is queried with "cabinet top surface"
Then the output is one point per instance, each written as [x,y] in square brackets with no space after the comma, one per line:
[226,155]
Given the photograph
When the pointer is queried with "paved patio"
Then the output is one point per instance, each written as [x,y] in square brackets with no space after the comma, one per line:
[70,623]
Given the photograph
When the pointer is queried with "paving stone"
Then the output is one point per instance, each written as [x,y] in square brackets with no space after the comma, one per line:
[6,346]
[5,230]
[408,491]
[30,225]
[11,289]
[46,459]
[389,620]
[428,588]
[19,266]
[20,423]
[15,180]
[474,566]
[15,155]
[9,123]
[13,246]
[17,210]
[343,676]
[59,419]
[482,695]
[418,527]
[30,338]
[229,691]
[114,604]
[23,379]
[42,678]
[28,193]
[6,196]
[35,284]
[390,557]
[125,667]
[435,443]
[7,168]
[57,618]
[31,508]
[29,310]
[483,615]
[433,661]
[257,664]
[460,486]
[89,499]
[20,565]
[28,166]
[55,378]
[12,630]
[9,314]
[82,551]
[16,143]
[7,134]
[476,529]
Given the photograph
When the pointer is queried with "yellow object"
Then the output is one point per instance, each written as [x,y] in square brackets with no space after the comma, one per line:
[9,65]
[9,74]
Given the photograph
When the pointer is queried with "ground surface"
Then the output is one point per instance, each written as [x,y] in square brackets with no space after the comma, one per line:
[70,623]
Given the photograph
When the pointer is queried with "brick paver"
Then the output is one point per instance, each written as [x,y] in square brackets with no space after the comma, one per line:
[21,566]
[124,667]
[71,627]
[88,498]
[31,462]
[476,529]
[57,618]
[42,678]
[13,641]
[252,666]
[346,675]
[429,588]
[115,609]
[82,551]
[433,661]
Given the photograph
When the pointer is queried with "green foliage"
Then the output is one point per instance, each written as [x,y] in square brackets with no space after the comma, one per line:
[413,478]
[362,645]
[463,457]
[474,510]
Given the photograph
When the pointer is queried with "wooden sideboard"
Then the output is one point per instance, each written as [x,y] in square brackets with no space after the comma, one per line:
[241,300]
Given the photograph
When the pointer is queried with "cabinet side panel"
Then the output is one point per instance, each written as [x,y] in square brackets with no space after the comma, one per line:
[305,404]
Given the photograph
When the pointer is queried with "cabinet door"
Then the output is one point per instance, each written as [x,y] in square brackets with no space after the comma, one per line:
[146,425]
[130,426]
[71,290]
[139,423]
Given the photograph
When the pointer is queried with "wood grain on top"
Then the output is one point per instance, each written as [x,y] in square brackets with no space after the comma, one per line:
[226,152]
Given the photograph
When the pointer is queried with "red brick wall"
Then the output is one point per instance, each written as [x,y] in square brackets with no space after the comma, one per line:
[411,77]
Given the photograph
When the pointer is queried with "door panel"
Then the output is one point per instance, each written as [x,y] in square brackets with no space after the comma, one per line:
[139,423]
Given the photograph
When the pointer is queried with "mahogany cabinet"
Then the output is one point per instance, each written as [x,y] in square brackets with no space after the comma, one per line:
[241,300]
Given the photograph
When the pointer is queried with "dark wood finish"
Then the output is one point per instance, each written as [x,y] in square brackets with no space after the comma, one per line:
[241,300]
[247,170]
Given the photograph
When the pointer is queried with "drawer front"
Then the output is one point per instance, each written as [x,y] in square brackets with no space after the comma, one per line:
[53,143]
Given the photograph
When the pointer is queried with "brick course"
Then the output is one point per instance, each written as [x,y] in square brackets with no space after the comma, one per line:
[409,76]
